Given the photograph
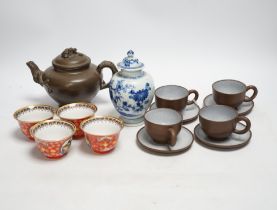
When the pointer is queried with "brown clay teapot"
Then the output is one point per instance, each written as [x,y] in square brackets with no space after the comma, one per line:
[72,77]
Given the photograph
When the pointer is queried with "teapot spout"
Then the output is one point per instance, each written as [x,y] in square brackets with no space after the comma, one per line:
[36,72]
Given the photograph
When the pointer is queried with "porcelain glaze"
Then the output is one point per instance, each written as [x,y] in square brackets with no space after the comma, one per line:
[76,113]
[102,133]
[30,115]
[53,137]
[131,90]
[189,113]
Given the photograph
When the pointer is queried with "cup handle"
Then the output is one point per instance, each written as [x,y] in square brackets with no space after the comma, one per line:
[255,92]
[196,95]
[247,127]
[173,136]
[100,68]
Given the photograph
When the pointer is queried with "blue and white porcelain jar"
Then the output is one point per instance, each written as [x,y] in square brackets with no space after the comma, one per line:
[131,90]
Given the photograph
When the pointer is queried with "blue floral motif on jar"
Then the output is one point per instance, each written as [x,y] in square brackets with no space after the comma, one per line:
[131,90]
[138,99]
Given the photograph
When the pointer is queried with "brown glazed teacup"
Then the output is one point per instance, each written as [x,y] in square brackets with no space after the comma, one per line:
[163,125]
[232,92]
[219,121]
[174,97]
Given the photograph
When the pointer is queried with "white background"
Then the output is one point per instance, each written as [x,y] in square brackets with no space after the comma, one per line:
[190,43]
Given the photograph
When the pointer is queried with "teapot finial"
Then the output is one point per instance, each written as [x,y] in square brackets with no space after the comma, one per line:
[68,52]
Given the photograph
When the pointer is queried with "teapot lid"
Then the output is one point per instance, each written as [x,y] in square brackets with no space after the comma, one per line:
[70,59]
[130,62]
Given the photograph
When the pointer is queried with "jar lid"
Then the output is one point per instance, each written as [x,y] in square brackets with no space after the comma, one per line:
[130,62]
[70,59]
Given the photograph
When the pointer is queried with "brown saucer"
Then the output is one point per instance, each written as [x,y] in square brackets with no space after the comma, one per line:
[235,141]
[244,109]
[190,113]
[184,141]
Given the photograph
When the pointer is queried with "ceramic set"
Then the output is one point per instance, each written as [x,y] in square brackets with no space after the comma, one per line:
[73,81]
[72,77]
[76,113]
[220,118]
[102,133]
[31,115]
[176,97]
[163,132]
[76,120]
[219,126]
[53,137]
[232,93]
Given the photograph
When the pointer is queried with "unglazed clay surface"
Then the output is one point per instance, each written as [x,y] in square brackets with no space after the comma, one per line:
[72,77]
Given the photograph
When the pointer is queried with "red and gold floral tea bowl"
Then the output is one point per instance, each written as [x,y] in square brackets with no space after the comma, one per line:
[30,115]
[76,113]
[53,137]
[102,133]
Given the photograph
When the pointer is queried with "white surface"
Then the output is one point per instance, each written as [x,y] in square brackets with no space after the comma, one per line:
[229,87]
[189,43]
[53,132]
[188,113]
[163,116]
[35,115]
[218,113]
[171,92]
[76,112]
[243,108]
[101,127]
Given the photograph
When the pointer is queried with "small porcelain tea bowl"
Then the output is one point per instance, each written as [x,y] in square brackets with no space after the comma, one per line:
[76,113]
[53,137]
[102,133]
[30,115]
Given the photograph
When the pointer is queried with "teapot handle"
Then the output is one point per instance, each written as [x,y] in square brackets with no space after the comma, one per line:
[100,67]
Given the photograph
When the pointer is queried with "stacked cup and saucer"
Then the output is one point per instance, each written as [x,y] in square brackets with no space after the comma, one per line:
[220,124]
[232,93]
[176,97]
[163,132]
